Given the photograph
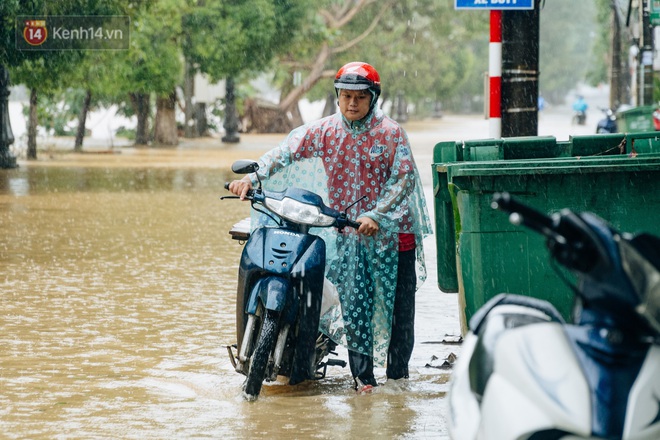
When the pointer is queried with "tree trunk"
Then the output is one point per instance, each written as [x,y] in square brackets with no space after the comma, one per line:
[400,108]
[290,116]
[188,92]
[231,114]
[7,159]
[201,123]
[292,96]
[615,60]
[82,119]
[140,102]
[330,104]
[165,132]
[32,126]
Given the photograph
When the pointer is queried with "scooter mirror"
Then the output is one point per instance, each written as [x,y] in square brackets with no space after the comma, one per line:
[244,166]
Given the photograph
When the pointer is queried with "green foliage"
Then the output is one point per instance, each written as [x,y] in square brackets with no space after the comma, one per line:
[8,12]
[424,49]
[228,38]
[128,133]
[57,112]
[153,63]
[597,71]
[52,70]
[567,31]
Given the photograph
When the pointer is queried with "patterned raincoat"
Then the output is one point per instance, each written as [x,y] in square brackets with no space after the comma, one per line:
[342,162]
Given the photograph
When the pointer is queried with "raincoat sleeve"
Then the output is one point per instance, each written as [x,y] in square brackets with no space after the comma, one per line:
[281,156]
[401,201]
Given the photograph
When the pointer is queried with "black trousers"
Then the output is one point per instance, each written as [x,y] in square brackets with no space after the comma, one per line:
[402,338]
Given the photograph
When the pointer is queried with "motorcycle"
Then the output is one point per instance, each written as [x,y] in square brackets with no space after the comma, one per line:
[280,294]
[579,117]
[608,123]
[525,373]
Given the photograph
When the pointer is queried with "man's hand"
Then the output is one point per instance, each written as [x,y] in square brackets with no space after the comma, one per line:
[368,226]
[241,187]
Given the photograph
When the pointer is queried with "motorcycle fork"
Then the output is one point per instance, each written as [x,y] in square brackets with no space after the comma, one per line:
[248,341]
[247,338]
[278,353]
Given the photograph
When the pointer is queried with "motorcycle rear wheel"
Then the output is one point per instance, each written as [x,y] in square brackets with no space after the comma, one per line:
[260,357]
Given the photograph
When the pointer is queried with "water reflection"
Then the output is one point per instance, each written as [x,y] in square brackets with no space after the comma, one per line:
[41,180]
[117,298]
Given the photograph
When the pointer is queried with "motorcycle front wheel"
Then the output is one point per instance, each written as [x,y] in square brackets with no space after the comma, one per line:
[260,356]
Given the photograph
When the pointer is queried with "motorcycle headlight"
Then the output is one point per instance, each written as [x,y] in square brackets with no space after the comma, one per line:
[299,212]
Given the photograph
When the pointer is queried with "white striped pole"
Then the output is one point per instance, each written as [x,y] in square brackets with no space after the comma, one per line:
[495,74]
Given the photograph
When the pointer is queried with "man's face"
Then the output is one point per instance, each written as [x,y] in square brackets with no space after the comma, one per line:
[354,104]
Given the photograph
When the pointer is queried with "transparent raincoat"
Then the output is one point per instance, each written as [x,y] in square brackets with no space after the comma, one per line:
[342,162]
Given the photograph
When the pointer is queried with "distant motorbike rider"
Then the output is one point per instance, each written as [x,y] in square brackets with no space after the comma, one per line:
[580,107]
[359,152]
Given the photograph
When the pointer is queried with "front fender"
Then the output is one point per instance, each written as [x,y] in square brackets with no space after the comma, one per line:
[273,292]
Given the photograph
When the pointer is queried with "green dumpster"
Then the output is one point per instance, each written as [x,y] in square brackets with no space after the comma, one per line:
[636,119]
[480,254]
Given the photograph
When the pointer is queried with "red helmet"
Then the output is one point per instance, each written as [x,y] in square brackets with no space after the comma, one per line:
[358,76]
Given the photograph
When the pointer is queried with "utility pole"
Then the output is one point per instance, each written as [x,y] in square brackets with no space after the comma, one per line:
[520,63]
[645,89]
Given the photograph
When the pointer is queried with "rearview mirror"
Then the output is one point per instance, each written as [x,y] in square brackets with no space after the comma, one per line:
[244,166]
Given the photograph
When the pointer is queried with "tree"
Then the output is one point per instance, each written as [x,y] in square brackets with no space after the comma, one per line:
[243,48]
[35,69]
[400,38]
[567,39]
[426,52]
[321,39]
[158,53]
[609,61]
[47,71]
[42,74]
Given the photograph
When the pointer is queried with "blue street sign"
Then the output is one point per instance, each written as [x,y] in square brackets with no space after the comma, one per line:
[494,4]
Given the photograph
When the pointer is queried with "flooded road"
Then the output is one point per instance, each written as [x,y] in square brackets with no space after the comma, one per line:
[117,295]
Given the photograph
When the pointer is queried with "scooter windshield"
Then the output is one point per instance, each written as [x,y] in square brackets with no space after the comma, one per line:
[296,211]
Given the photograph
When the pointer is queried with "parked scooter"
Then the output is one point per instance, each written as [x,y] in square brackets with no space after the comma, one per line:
[608,123]
[281,287]
[524,373]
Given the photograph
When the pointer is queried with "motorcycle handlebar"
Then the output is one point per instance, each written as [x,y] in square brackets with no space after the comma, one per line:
[353,224]
[523,214]
[248,196]
[568,238]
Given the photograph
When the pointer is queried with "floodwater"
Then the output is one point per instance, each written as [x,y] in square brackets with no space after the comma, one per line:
[117,296]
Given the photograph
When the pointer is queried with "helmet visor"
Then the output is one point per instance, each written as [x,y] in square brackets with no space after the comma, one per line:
[350,86]
[352,81]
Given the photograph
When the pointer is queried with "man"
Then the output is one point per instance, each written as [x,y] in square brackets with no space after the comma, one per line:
[359,153]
